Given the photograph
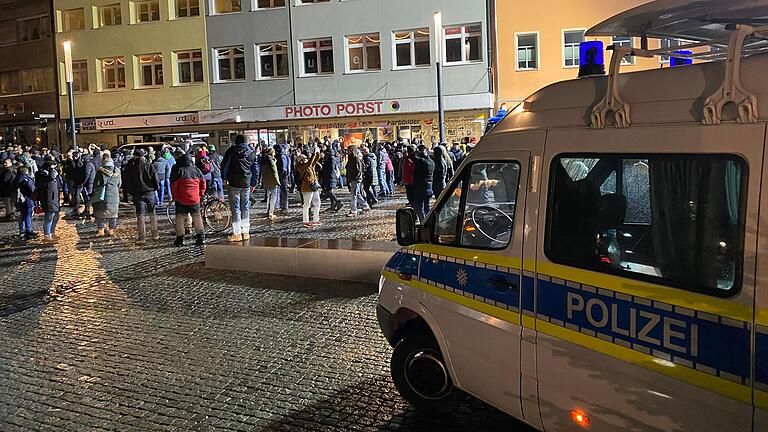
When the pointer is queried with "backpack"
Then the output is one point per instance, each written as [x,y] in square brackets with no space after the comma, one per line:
[206,167]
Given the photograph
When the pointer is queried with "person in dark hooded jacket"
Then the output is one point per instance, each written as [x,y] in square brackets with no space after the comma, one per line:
[423,172]
[440,173]
[188,189]
[7,175]
[284,165]
[370,177]
[24,186]
[47,192]
[328,179]
[236,171]
[161,167]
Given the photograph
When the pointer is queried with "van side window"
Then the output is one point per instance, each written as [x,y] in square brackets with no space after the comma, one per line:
[479,212]
[670,219]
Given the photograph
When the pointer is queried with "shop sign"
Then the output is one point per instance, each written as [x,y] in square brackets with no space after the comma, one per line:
[341,109]
[88,125]
[147,121]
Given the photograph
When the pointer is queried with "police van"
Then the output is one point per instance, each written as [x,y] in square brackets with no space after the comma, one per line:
[596,262]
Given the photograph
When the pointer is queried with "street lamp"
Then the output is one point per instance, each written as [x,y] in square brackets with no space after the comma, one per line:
[439,59]
[70,90]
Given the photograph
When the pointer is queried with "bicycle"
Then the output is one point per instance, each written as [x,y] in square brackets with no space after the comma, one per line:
[215,213]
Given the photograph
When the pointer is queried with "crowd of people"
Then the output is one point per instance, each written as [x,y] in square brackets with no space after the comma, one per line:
[93,181]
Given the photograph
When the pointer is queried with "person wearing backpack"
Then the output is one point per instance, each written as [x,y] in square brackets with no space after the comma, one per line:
[236,171]
[24,188]
[205,166]
[217,183]
[141,183]
[161,167]
[188,188]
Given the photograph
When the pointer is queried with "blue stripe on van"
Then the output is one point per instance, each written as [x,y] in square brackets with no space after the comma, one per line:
[761,358]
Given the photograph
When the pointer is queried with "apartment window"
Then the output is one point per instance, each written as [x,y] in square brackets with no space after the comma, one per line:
[190,67]
[7,32]
[10,83]
[363,52]
[110,15]
[412,48]
[147,11]
[227,6]
[463,43]
[625,42]
[113,73]
[527,51]
[318,56]
[33,28]
[571,41]
[273,60]
[80,76]
[151,70]
[668,44]
[37,80]
[187,8]
[231,63]
[266,4]
[73,19]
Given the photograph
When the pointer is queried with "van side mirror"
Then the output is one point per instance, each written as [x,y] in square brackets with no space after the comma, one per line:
[405,221]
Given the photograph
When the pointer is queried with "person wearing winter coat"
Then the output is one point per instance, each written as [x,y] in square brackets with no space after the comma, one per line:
[47,192]
[423,172]
[170,162]
[270,179]
[283,160]
[370,177]
[440,172]
[217,183]
[106,204]
[236,171]
[140,182]
[24,188]
[310,187]
[355,177]
[161,171]
[188,189]
[89,175]
[328,176]
[7,174]
[382,157]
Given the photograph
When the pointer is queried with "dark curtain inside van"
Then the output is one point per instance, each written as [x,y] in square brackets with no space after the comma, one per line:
[694,203]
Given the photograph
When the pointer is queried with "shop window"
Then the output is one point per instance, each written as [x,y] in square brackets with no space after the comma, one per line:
[668,44]
[187,8]
[150,70]
[34,28]
[113,73]
[73,19]
[12,109]
[363,52]
[571,41]
[80,76]
[231,64]
[318,57]
[267,4]
[190,66]
[110,15]
[412,48]
[37,80]
[273,60]
[625,42]
[527,51]
[10,83]
[147,11]
[675,220]
[463,43]
[479,213]
[227,6]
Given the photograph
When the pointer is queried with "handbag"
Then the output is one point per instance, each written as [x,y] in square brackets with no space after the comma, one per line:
[98,195]
[315,186]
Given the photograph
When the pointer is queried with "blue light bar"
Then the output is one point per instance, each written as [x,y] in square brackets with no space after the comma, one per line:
[591,59]
[681,61]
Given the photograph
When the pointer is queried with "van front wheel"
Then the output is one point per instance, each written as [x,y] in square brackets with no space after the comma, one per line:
[421,375]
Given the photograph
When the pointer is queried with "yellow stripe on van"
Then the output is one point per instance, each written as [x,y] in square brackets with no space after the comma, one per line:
[761,317]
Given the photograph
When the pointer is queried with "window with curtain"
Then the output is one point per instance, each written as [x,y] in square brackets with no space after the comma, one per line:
[675,220]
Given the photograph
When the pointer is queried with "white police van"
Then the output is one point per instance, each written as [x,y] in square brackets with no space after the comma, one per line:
[600,260]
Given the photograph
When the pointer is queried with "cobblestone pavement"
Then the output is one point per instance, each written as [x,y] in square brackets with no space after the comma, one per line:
[99,334]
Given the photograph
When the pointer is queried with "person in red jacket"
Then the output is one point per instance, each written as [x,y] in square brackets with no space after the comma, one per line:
[188,189]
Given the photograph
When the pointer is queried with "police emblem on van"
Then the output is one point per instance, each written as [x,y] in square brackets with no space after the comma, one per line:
[462,278]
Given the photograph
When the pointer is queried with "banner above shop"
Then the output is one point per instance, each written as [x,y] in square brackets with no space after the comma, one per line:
[135,122]
[347,109]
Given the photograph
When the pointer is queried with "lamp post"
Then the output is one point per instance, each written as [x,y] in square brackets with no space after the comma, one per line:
[70,80]
[439,60]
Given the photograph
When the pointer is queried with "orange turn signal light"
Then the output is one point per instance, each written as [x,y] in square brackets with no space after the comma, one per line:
[580,418]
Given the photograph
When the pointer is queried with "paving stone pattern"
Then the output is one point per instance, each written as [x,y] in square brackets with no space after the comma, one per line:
[100,334]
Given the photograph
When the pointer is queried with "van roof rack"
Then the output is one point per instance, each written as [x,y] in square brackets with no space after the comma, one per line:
[731,28]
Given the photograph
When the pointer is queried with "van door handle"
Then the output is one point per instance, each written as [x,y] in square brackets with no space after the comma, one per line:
[501,284]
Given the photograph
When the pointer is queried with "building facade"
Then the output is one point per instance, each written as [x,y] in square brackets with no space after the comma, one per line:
[28,98]
[346,69]
[537,47]
[137,64]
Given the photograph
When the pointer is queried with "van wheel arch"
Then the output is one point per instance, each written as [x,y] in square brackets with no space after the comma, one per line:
[408,322]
